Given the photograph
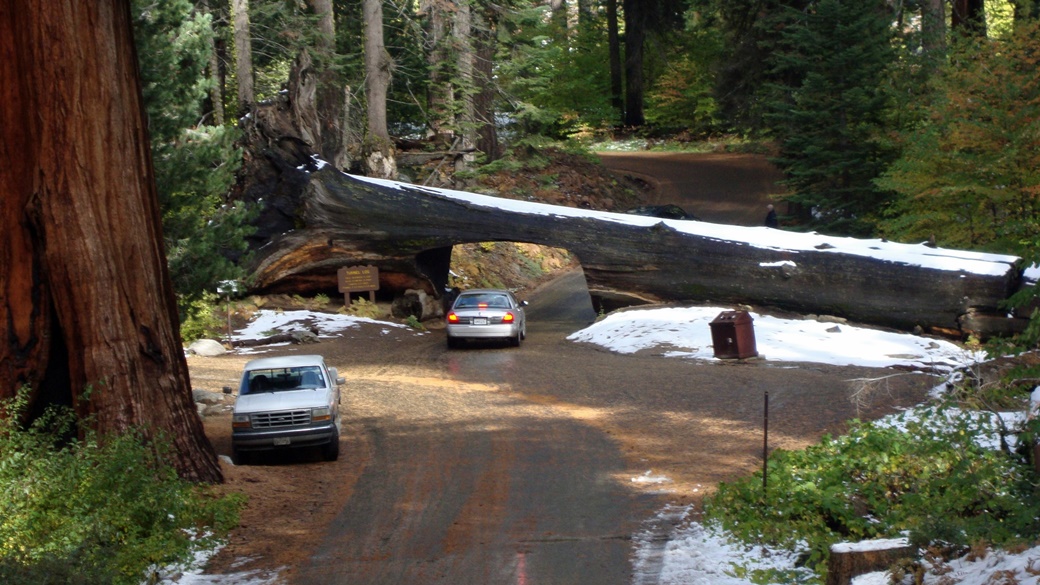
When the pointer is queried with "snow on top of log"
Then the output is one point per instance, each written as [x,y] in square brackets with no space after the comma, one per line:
[760,237]
[870,545]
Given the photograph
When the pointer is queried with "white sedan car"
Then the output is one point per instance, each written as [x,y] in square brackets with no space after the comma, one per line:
[486,314]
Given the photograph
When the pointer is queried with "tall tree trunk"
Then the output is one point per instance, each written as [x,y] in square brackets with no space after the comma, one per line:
[614,42]
[465,65]
[969,17]
[216,92]
[485,43]
[243,55]
[379,156]
[87,305]
[1026,10]
[635,34]
[558,10]
[933,26]
[585,11]
[330,100]
[439,98]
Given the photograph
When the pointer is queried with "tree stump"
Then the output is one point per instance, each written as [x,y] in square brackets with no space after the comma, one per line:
[850,559]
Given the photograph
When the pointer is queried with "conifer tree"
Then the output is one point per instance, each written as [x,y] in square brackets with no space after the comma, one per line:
[828,116]
[970,174]
[194,163]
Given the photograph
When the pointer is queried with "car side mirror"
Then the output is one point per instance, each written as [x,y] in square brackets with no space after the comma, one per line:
[523,303]
[334,374]
[227,389]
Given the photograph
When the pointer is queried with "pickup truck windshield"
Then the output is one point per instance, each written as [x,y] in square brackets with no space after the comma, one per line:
[282,379]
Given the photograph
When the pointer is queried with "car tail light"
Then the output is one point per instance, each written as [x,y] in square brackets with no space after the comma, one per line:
[508,318]
[482,305]
[452,317]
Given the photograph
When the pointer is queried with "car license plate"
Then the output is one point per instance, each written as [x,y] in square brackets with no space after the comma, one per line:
[480,320]
[281,442]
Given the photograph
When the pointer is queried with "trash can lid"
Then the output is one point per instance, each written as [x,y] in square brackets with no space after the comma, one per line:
[732,317]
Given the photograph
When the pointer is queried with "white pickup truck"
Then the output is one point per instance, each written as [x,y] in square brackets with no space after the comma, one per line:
[285,403]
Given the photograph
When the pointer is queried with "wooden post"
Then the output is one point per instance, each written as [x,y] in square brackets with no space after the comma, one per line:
[765,447]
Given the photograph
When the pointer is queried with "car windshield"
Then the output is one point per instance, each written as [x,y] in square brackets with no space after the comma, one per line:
[490,301]
[281,379]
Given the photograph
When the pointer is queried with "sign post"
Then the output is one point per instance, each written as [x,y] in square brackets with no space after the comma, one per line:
[358,279]
[228,288]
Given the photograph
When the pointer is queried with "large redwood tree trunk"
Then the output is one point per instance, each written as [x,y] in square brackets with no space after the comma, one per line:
[635,34]
[86,302]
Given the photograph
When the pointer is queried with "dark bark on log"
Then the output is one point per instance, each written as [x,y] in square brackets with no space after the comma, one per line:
[409,231]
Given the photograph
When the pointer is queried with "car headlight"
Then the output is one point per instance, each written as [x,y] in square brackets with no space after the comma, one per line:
[320,414]
[240,421]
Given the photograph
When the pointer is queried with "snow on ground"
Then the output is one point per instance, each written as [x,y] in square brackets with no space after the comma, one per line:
[686,332]
[266,323]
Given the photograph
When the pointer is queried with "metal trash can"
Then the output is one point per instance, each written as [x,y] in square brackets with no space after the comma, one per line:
[733,335]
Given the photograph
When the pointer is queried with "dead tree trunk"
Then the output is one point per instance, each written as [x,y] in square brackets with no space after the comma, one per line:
[86,303]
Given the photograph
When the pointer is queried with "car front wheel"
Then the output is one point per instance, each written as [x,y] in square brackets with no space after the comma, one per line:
[330,452]
[239,457]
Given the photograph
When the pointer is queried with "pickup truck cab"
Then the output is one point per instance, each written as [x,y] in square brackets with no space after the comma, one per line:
[286,403]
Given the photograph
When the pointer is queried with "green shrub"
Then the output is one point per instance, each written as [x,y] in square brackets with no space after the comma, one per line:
[414,322]
[204,319]
[97,509]
[931,481]
[360,307]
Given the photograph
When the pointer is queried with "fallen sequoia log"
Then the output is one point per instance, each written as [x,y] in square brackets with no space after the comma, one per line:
[408,231]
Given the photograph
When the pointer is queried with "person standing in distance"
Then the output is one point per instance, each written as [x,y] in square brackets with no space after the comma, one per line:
[771,219]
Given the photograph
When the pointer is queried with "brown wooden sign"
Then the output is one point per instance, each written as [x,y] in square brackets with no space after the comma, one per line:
[358,279]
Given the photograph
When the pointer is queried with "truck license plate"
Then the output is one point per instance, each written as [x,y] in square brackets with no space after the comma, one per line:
[480,320]
[281,442]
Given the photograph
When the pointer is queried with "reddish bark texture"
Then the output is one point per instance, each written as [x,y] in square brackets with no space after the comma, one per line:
[87,302]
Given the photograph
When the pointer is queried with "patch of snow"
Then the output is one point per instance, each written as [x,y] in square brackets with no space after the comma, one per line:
[687,332]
